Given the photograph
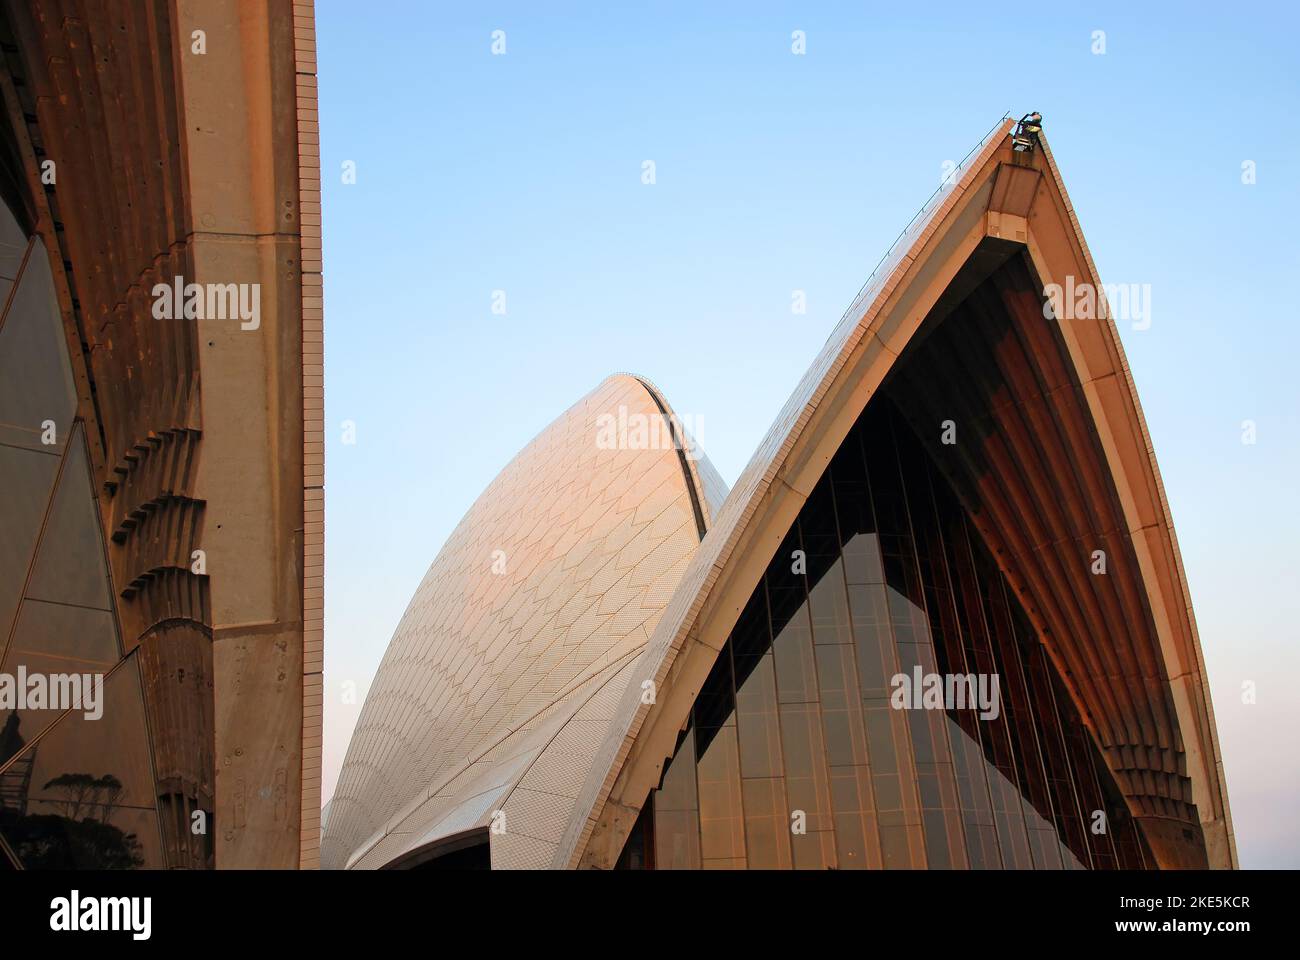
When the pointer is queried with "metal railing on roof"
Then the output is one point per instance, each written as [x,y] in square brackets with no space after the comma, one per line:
[917,217]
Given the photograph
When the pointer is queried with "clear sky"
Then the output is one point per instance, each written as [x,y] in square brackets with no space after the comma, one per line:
[777,172]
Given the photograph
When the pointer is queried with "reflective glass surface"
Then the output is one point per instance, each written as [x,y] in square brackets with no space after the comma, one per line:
[802,752]
[81,796]
[77,785]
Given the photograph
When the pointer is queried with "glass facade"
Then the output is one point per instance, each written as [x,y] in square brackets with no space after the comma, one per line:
[801,752]
[77,787]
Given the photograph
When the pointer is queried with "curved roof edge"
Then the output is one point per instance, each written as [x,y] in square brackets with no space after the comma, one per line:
[707,487]
[780,476]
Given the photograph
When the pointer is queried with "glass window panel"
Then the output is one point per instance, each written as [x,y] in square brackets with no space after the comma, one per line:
[752,636]
[796,670]
[862,559]
[61,644]
[70,563]
[814,850]
[82,796]
[677,840]
[857,840]
[786,591]
[828,603]
[716,701]
[35,374]
[27,478]
[767,824]
[757,722]
[722,832]
[873,639]
[806,779]
[841,707]
[676,810]
[13,244]
[901,843]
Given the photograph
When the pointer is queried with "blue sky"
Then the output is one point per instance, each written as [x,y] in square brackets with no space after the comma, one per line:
[776,172]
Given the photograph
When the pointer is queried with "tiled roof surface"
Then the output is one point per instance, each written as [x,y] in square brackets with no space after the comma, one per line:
[504,673]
